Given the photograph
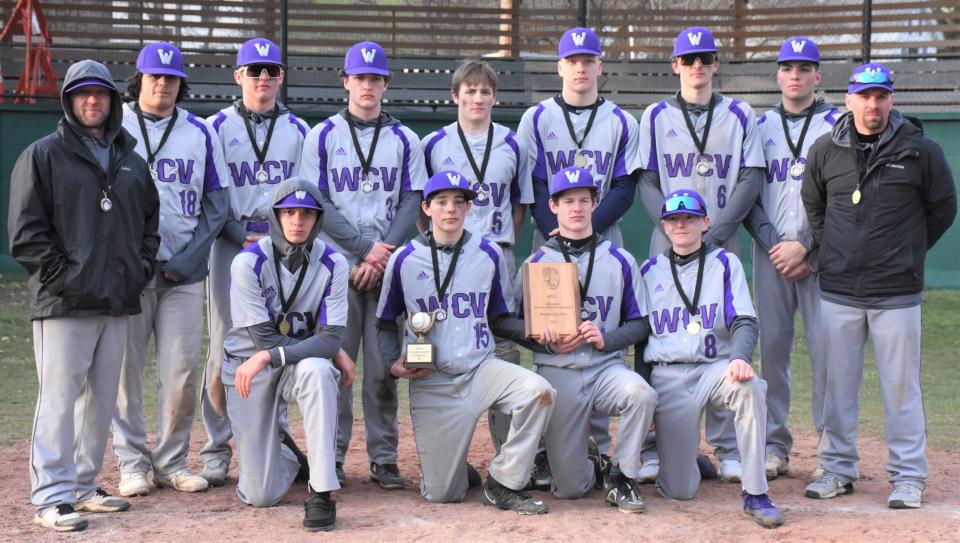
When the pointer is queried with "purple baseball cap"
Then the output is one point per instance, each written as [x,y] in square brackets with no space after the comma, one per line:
[579,41]
[695,39]
[366,57]
[161,58]
[572,178]
[683,201]
[448,180]
[799,48]
[259,51]
[299,198]
[91,81]
[870,76]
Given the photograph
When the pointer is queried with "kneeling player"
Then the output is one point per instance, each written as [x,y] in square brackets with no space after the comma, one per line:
[289,308]
[703,331]
[451,278]
[588,370]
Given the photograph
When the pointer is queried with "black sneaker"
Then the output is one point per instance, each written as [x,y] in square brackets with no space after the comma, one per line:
[473,477]
[623,492]
[540,477]
[303,474]
[341,475]
[501,497]
[319,512]
[601,464]
[386,475]
[706,467]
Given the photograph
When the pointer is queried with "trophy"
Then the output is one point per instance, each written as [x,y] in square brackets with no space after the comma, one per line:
[420,352]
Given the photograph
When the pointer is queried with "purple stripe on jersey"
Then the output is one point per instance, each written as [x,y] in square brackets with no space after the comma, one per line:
[831,117]
[211,180]
[537,256]
[322,156]
[762,119]
[295,121]
[261,257]
[620,164]
[395,306]
[647,265]
[629,308]
[405,164]
[735,108]
[498,306]
[652,162]
[221,116]
[729,313]
[515,182]
[428,149]
[328,262]
[540,167]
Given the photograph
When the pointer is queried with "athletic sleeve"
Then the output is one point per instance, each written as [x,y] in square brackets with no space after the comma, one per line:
[405,218]
[743,338]
[310,160]
[414,162]
[248,307]
[813,191]
[650,195]
[392,304]
[758,224]
[546,220]
[615,203]
[341,231]
[752,146]
[521,178]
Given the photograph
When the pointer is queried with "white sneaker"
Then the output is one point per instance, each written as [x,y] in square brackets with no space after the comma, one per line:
[649,471]
[181,480]
[731,471]
[101,502]
[133,484]
[818,473]
[776,466]
[62,518]
[905,495]
[215,472]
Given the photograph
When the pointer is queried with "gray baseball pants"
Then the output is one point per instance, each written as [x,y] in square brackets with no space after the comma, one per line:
[499,423]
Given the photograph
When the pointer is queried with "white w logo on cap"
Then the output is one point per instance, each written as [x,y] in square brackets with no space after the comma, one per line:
[573,176]
[454,179]
[694,38]
[300,194]
[798,45]
[165,56]
[262,48]
[578,38]
[368,55]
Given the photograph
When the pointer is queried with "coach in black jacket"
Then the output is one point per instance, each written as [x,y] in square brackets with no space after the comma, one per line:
[878,195]
[83,222]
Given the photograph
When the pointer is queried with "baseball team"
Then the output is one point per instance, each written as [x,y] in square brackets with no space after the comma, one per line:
[303,238]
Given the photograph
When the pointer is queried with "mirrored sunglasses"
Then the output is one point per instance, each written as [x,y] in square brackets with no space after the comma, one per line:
[872,76]
[682,202]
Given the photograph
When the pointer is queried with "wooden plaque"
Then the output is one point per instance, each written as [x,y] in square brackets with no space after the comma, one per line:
[551,298]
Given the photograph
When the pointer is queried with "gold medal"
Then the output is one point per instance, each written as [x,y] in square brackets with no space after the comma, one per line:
[856,196]
[284,327]
[580,161]
[693,327]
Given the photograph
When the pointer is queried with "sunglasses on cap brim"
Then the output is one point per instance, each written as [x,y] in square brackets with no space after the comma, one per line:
[682,203]
[878,77]
[706,59]
[256,70]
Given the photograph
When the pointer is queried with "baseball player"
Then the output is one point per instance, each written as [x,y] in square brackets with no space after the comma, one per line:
[449,279]
[588,370]
[579,128]
[186,163]
[288,300]
[498,170]
[369,168]
[701,140]
[783,276]
[261,143]
[83,222]
[702,333]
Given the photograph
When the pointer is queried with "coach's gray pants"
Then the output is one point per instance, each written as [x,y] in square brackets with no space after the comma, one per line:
[445,408]
[895,334]
[777,301]
[78,369]
[684,391]
[379,388]
[610,389]
[267,467]
[174,316]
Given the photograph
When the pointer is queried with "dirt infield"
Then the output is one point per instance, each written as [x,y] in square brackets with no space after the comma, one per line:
[367,513]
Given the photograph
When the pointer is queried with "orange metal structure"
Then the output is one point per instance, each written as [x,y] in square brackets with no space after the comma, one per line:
[38,77]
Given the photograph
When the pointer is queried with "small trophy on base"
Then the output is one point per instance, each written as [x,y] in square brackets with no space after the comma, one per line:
[420,352]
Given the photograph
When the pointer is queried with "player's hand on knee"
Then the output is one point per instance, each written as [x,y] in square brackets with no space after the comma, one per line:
[800,272]
[787,255]
[248,370]
[400,370]
[592,335]
[739,370]
[250,239]
[348,369]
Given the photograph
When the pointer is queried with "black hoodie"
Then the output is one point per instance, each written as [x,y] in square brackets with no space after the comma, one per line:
[82,260]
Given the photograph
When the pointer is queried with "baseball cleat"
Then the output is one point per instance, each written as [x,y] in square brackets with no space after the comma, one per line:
[540,477]
[649,471]
[133,484]
[341,475]
[706,467]
[501,497]
[62,518]
[386,475]
[776,466]
[319,512]
[828,486]
[762,509]
[623,492]
[601,464]
[101,502]
[181,480]
[905,495]
[731,471]
[216,472]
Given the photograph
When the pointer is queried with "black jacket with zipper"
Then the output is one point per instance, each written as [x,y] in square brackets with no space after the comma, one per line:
[82,260]
[908,200]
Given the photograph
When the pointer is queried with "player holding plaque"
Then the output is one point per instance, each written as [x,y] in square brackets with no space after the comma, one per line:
[453,278]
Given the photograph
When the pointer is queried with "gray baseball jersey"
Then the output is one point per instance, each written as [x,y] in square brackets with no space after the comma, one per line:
[507,179]
[463,340]
[248,197]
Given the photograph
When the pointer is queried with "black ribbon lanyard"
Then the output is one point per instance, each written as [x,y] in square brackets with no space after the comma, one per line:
[692,308]
[442,288]
[260,153]
[152,154]
[285,303]
[573,133]
[701,144]
[365,162]
[480,172]
[585,285]
[796,149]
